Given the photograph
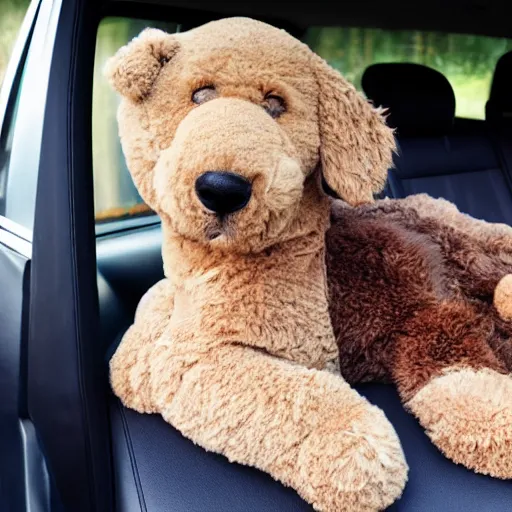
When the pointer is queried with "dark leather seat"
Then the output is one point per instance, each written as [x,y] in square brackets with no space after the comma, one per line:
[464,168]
[498,112]
[158,470]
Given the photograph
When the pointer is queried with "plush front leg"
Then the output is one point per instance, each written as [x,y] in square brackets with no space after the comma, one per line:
[129,365]
[306,428]
[450,379]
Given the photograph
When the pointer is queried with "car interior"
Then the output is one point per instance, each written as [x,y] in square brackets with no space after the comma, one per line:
[467,162]
[152,466]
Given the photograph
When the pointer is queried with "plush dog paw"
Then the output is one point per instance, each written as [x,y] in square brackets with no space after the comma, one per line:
[356,469]
[503,297]
[468,415]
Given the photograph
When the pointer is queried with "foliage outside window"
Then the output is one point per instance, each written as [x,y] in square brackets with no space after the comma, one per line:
[467,61]
[12,13]
[115,195]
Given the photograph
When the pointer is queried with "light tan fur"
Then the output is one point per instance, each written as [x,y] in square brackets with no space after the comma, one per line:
[503,297]
[234,347]
[468,415]
[440,209]
[495,237]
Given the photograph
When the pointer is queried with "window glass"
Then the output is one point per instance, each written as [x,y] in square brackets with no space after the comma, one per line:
[467,61]
[11,19]
[115,195]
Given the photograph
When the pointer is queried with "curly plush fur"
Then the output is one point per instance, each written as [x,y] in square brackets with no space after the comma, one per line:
[418,297]
[240,346]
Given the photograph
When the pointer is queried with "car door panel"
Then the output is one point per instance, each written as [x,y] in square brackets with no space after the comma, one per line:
[14,279]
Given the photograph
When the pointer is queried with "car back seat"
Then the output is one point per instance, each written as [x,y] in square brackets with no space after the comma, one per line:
[432,158]
[498,111]
[156,469]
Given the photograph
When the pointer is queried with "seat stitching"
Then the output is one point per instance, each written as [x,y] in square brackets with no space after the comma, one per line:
[131,453]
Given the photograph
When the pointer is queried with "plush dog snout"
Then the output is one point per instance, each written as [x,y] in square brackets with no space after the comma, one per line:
[223,192]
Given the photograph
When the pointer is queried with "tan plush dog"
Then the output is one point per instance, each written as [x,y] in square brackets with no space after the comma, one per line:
[228,130]
[234,346]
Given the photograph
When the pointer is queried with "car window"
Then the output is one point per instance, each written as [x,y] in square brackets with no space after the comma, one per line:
[115,195]
[467,61]
[11,19]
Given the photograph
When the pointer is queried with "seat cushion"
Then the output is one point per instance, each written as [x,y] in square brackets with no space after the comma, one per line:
[465,168]
[462,169]
[158,470]
[499,112]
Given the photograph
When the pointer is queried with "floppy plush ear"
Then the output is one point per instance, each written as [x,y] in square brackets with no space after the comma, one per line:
[356,144]
[132,71]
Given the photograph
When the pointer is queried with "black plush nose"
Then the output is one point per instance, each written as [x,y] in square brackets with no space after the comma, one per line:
[223,192]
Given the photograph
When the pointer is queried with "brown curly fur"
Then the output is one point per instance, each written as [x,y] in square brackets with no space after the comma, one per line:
[239,347]
[412,296]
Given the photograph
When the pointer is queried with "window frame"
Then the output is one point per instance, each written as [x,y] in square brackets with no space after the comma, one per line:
[63,310]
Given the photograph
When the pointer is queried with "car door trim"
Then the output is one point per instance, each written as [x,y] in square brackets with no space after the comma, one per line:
[15,243]
[15,228]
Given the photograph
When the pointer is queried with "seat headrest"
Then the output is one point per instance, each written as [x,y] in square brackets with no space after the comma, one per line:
[420,100]
[499,107]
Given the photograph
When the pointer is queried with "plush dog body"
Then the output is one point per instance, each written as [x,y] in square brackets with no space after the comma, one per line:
[420,296]
[239,347]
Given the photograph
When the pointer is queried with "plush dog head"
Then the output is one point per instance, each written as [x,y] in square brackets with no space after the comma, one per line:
[225,128]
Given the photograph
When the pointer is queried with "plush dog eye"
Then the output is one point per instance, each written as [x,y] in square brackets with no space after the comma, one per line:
[204,94]
[274,105]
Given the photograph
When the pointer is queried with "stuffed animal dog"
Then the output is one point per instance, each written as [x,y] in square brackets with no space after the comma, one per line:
[228,130]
